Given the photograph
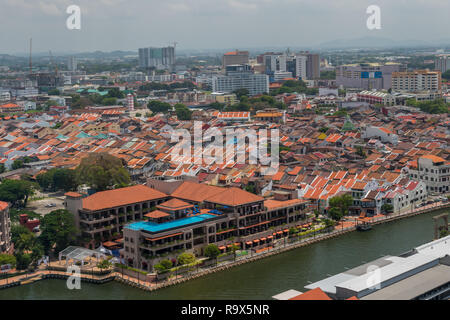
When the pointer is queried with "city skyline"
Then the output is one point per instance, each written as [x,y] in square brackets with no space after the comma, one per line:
[256,23]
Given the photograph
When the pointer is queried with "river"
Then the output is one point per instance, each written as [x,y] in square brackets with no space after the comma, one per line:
[264,278]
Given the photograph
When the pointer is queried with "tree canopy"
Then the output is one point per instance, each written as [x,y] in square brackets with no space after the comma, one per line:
[434,107]
[183,112]
[211,251]
[58,229]
[157,106]
[16,192]
[339,206]
[102,171]
[58,179]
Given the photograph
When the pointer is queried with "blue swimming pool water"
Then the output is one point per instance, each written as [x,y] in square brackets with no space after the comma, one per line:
[156,227]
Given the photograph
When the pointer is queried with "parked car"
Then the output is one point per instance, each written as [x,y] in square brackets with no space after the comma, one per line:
[50,205]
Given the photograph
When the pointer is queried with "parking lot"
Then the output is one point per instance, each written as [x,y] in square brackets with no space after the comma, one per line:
[46,205]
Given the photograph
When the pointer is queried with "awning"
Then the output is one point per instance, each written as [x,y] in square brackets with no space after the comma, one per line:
[269,237]
[237,244]
[256,241]
[280,232]
[163,237]
[263,239]
[249,242]
[286,230]
[274,234]
[222,248]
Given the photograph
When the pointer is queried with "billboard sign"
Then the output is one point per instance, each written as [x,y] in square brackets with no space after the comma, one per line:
[371,75]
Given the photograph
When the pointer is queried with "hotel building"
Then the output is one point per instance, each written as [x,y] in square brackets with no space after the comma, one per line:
[197,215]
[102,216]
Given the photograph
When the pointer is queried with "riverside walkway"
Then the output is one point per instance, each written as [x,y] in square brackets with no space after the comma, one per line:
[283,245]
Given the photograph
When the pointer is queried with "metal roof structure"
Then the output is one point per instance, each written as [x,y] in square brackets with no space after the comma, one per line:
[287,295]
[389,272]
[79,253]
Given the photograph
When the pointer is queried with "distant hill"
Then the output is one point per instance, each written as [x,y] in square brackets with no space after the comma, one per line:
[375,42]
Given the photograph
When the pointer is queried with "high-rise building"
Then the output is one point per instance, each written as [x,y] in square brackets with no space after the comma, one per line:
[235,57]
[416,81]
[72,64]
[367,76]
[312,66]
[5,228]
[300,66]
[241,77]
[442,62]
[297,64]
[159,58]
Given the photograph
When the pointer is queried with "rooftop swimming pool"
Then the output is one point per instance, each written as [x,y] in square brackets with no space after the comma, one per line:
[157,227]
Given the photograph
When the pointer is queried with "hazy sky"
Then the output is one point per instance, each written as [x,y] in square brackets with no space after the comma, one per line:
[129,24]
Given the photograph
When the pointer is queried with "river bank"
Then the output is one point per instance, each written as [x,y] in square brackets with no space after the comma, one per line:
[232,266]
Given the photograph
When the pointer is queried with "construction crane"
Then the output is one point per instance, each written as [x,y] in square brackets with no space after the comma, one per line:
[31,64]
[53,63]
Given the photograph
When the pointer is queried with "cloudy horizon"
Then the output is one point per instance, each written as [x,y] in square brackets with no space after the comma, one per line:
[109,25]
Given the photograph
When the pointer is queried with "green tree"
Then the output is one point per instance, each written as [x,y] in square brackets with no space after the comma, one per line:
[16,192]
[340,205]
[116,93]
[2,168]
[183,112]
[7,259]
[185,258]
[23,260]
[102,171]
[17,231]
[211,251]
[104,264]
[241,92]
[157,106]
[109,101]
[58,230]
[17,164]
[58,179]
[163,265]
[335,213]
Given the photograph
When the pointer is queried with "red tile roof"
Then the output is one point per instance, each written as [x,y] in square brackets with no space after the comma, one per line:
[234,197]
[314,294]
[121,197]
[3,205]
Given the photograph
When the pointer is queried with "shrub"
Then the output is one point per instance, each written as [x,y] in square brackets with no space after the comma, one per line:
[186,258]
[212,251]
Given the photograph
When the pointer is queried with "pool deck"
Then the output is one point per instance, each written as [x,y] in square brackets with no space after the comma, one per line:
[161,227]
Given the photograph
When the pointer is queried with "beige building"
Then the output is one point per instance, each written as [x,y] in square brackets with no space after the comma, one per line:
[5,229]
[416,81]
[235,57]
[225,98]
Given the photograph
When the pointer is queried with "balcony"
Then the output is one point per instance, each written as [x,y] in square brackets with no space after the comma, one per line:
[90,220]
